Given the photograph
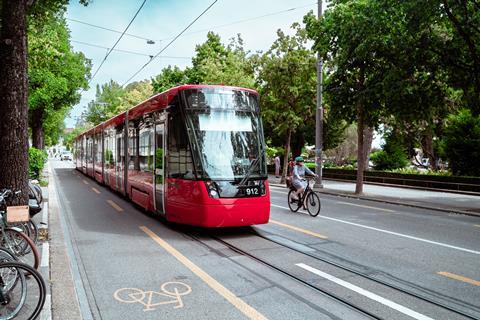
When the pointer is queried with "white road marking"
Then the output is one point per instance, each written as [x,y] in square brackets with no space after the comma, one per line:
[366,293]
[363,206]
[47,308]
[390,232]
[45,213]
[45,255]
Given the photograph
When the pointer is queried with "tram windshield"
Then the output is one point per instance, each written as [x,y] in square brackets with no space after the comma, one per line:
[226,133]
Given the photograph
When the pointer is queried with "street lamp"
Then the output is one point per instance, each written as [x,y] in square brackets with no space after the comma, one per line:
[319,115]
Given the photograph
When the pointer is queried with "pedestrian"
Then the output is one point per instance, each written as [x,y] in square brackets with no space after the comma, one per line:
[277,166]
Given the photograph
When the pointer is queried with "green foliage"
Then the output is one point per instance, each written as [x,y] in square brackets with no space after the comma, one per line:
[393,155]
[461,143]
[108,98]
[168,78]
[287,79]
[423,172]
[68,137]
[36,159]
[55,74]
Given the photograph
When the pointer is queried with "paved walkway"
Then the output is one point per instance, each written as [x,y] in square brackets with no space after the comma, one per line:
[444,201]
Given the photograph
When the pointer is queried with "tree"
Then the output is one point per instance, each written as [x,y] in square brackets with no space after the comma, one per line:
[393,154]
[108,99]
[215,63]
[13,98]
[135,93]
[347,38]
[168,78]
[287,79]
[55,74]
[13,91]
[461,143]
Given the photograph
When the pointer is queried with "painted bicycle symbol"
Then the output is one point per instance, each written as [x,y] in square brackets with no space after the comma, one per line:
[173,291]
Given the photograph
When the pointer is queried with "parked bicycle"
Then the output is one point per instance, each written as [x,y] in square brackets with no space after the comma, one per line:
[308,200]
[22,288]
[13,238]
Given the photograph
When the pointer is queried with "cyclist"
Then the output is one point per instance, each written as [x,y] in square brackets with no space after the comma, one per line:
[298,177]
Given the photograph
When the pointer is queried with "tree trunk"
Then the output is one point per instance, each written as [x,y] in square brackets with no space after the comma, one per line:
[285,159]
[13,99]
[368,139]
[38,140]
[428,149]
[360,147]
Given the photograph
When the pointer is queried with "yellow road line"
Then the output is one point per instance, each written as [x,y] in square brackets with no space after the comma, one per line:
[115,206]
[362,206]
[95,190]
[318,235]
[214,284]
[459,278]
[85,181]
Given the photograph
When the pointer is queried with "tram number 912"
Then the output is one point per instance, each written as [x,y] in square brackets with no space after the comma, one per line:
[252,191]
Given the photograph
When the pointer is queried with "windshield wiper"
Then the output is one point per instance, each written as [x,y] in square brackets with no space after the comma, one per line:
[253,165]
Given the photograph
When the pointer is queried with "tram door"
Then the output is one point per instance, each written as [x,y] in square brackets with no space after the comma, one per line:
[119,164]
[160,167]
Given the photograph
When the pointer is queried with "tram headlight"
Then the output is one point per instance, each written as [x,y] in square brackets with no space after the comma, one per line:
[212,189]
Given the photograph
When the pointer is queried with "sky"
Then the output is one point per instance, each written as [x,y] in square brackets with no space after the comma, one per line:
[161,21]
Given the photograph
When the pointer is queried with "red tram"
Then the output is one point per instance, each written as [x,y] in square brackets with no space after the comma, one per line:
[194,153]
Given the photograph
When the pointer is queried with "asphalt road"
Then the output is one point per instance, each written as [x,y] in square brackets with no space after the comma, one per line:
[130,265]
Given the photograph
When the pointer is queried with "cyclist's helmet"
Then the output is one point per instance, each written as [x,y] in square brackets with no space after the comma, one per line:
[299,159]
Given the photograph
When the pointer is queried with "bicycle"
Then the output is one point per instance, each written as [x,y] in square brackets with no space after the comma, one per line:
[22,291]
[309,199]
[14,239]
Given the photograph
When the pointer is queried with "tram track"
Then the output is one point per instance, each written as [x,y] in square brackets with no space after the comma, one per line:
[341,300]
[379,281]
[286,273]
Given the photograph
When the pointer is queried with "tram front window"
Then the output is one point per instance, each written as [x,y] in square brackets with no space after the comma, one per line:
[226,133]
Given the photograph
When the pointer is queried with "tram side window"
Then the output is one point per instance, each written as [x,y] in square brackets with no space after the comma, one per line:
[133,157]
[98,148]
[89,150]
[180,163]
[109,146]
[146,150]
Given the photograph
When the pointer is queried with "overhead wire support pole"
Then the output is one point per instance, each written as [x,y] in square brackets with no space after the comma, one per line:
[319,115]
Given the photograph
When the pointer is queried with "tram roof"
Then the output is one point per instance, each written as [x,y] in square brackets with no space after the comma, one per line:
[156,102]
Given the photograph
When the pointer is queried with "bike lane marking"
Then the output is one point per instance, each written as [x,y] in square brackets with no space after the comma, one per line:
[390,232]
[459,278]
[246,309]
[311,233]
[96,190]
[365,293]
[115,206]
[85,181]
[135,295]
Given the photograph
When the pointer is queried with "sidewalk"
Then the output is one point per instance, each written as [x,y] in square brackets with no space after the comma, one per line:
[433,200]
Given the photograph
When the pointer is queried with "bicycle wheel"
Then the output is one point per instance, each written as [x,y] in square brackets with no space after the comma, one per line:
[313,204]
[293,204]
[21,246]
[6,255]
[13,291]
[22,298]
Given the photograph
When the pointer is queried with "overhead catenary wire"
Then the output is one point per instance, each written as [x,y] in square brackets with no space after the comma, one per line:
[197,31]
[118,40]
[125,51]
[173,40]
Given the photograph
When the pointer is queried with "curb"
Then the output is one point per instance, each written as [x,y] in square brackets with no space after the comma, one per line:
[406,204]
[64,301]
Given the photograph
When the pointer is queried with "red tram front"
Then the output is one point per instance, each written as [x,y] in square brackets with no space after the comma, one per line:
[195,154]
